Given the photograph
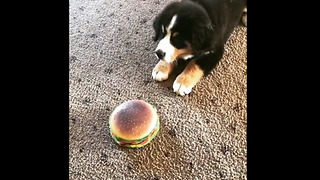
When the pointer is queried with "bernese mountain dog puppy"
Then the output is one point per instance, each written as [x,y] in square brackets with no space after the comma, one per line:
[195,31]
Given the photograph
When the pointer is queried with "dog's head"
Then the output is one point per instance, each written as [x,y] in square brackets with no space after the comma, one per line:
[181,28]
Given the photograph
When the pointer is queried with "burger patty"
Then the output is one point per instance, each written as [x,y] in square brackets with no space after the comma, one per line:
[138,142]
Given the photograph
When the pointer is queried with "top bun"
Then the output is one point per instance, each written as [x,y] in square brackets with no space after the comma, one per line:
[133,119]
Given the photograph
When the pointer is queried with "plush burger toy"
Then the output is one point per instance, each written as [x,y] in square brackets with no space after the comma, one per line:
[134,123]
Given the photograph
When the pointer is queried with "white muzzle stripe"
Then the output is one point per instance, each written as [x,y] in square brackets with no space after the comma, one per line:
[165,45]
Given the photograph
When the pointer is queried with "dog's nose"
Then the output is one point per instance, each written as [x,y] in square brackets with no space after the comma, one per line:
[160,54]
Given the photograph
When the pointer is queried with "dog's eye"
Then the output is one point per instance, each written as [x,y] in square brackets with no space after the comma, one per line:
[175,34]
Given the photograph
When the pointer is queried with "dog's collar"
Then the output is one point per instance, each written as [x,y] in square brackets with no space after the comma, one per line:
[190,56]
[208,52]
[187,57]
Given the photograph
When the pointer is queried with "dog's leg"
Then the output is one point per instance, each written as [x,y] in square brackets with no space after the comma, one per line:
[162,70]
[244,16]
[188,79]
[197,68]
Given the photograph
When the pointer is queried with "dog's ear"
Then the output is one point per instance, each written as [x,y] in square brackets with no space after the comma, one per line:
[202,36]
[156,27]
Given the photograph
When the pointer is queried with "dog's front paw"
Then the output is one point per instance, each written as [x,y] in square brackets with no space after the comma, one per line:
[188,79]
[162,70]
[244,17]
[181,87]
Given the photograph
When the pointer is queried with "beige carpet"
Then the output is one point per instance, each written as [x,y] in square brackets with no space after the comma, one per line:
[202,136]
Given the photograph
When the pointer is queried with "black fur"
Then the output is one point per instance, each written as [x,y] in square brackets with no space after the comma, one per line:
[205,24]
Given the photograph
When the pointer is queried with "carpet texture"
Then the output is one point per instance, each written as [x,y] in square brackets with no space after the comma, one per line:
[111,57]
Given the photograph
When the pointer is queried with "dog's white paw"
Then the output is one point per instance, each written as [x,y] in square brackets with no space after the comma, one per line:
[162,70]
[244,17]
[181,89]
[187,79]
[159,75]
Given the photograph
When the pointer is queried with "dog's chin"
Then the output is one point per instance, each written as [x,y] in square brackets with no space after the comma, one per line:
[177,58]
[169,60]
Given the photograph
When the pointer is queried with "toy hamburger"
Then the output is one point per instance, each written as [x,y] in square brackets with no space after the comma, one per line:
[134,123]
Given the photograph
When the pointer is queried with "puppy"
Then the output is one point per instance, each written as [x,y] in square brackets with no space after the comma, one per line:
[195,31]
